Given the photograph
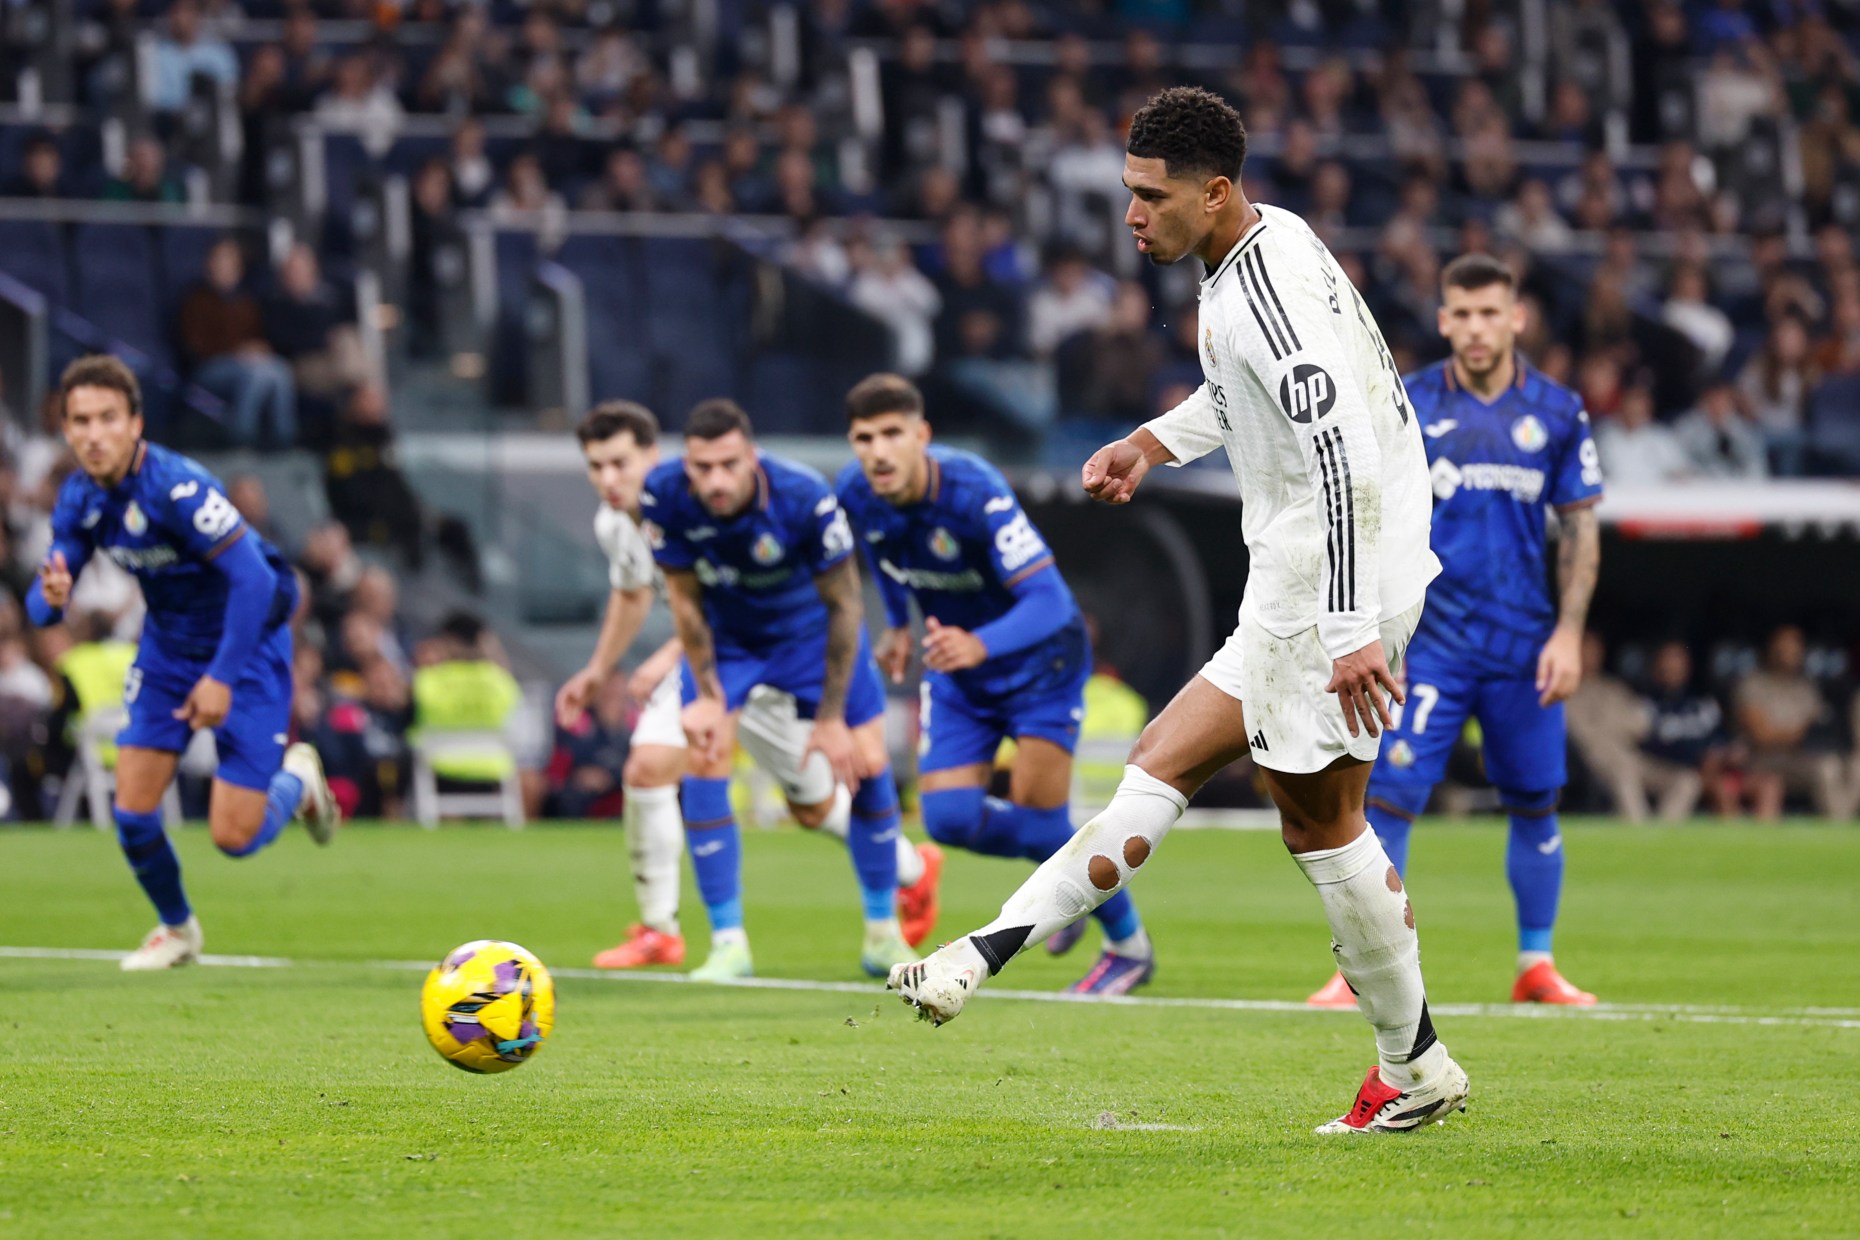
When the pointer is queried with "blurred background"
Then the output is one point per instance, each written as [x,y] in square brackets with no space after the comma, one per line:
[371,260]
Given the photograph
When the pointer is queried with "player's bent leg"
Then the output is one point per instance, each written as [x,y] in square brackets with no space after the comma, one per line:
[1392,806]
[1199,732]
[873,841]
[142,777]
[1374,941]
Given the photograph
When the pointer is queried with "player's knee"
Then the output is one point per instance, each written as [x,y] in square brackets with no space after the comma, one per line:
[953,815]
[1530,803]
[652,770]
[232,838]
[811,816]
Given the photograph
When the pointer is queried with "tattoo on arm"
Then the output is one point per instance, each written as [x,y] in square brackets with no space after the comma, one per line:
[687,599]
[1579,560]
[839,590]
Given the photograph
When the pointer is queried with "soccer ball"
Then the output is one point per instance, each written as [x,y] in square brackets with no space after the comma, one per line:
[488,1006]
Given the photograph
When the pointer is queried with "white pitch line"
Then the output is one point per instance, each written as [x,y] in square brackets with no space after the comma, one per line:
[1802,1017]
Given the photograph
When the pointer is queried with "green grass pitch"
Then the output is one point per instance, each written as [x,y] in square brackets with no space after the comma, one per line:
[303,1100]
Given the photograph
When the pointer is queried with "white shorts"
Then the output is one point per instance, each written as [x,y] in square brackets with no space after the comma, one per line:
[662,722]
[1295,726]
[773,733]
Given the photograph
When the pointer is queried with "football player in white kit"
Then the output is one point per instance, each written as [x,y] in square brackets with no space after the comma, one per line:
[620,440]
[1301,392]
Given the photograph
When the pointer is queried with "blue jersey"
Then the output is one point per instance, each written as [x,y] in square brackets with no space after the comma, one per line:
[1494,468]
[164,522]
[757,567]
[963,552]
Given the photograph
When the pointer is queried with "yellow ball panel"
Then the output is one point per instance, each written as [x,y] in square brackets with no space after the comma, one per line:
[488,1006]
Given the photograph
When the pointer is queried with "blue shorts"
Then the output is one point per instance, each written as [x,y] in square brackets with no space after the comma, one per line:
[252,739]
[961,729]
[797,669]
[1524,742]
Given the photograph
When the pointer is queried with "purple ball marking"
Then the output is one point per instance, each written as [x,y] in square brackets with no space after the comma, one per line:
[458,958]
[509,973]
[465,1031]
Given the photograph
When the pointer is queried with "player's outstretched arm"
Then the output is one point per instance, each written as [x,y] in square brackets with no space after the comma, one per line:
[1114,471]
[50,591]
[703,719]
[839,589]
[626,613]
[1578,563]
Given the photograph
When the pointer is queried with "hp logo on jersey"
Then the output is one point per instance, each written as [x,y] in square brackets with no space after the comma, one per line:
[1307,393]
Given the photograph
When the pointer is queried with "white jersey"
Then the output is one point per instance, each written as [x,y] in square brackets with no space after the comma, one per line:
[629,557]
[1326,450]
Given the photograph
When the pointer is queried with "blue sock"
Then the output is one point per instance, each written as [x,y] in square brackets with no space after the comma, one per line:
[281,801]
[716,850]
[872,839]
[152,858]
[1118,916]
[968,818]
[1391,812]
[1534,864]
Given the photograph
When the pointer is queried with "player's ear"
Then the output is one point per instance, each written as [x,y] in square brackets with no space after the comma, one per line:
[1216,193]
[1520,315]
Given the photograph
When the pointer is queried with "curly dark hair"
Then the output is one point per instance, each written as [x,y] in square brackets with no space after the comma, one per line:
[1191,130]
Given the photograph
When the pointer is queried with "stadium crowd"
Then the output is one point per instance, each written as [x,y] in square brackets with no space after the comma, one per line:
[1677,184]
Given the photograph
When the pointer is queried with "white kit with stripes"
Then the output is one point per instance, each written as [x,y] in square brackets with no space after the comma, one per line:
[1335,501]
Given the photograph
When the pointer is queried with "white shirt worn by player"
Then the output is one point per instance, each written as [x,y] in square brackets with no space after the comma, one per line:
[630,566]
[1327,453]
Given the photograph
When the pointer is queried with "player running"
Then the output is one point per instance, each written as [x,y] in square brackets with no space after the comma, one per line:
[1333,484]
[1005,651]
[620,441]
[215,649]
[758,563]
[1506,444]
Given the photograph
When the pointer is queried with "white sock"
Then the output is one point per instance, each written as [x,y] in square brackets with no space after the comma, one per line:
[910,862]
[1530,960]
[1136,947]
[1095,864]
[1372,935]
[838,822]
[655,841]
[883,928]
[724,938]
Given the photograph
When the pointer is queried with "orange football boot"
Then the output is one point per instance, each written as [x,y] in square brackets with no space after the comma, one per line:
[1541,983]
[1335,993]
[642,946]
[917,907]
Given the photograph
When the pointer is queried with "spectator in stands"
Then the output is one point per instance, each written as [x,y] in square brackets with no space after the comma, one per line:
[980,316]
[525,191]
[370,495]
[1686,748]
[41,171]
[1072,298]
[187,51]
[307,68]
[1532,219]
[264,111]
[459,81]
[887,286]
[670,168]
[623,185]
[1110,372]
[1637,450]
[361,102]
[1718,441]
[912,88]
[1774,387]
[1607,722]
[1785,721]
[462,684]
[145,175]
[587,759]
[307,325]
[377,598]
[474,178]
[222,332]
[1839,350]
[330,562]
[248,495]
[436,256]
[1690,312]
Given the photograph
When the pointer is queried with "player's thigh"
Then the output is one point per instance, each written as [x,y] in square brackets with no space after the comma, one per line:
[656,755]
[775,732]
[1428,725]
[1201,730]
[654,766]
[1525,743]
[142,777]
[956,738]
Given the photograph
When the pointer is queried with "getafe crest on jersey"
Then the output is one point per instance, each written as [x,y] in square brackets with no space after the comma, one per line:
[943,544]
[767,550]
[134,521]
[1529,434]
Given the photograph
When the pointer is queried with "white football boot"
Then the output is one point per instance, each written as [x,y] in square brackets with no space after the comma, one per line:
[166,947]
[319,810]
[1381,1108]
[938,985]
